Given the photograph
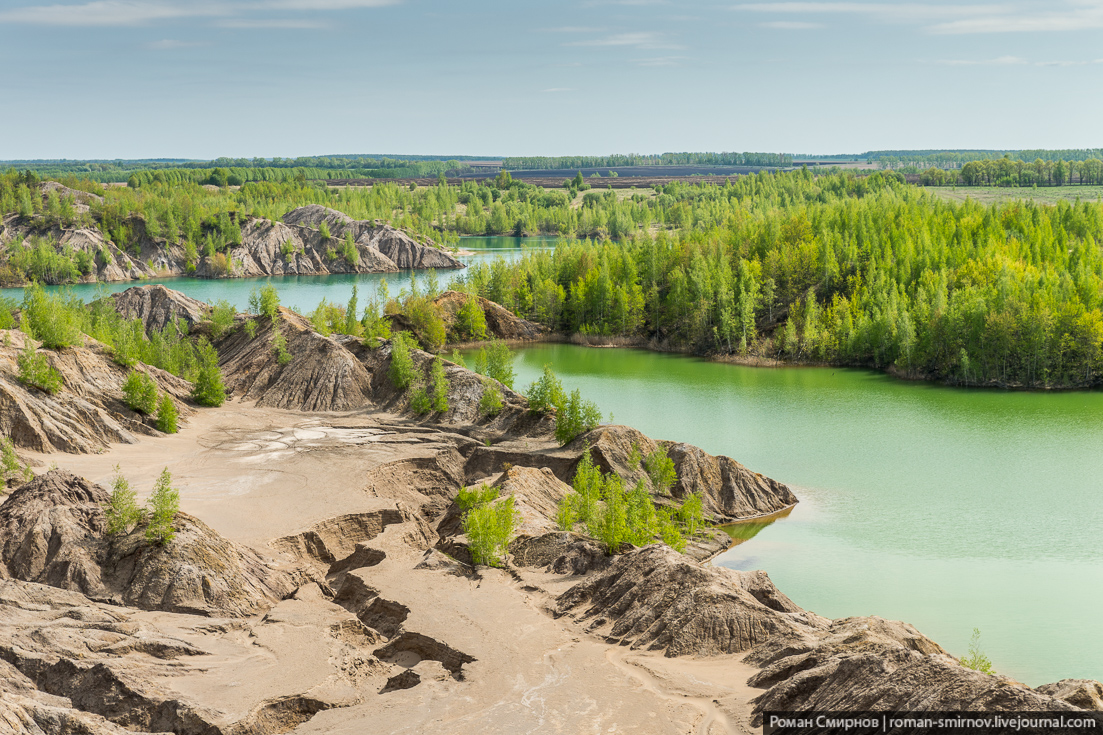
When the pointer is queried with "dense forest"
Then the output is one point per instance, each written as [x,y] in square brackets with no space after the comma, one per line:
[841,270]
[954,159]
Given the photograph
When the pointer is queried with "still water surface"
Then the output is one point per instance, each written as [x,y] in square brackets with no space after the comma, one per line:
[948,508]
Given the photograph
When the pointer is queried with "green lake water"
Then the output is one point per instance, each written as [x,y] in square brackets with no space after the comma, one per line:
[948,508]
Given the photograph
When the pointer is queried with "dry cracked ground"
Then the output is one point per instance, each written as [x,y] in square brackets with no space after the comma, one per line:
[319,581]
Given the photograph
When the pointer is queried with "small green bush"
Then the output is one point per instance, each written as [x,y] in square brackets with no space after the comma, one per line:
[438,385]
[427,322]
[164,504]
[470,497]
[489,529]
[279,346]
[546,392]
[140,393]
[167,415]
[265,302]
[222,318]
[691,514]
[976,659]
[669,531]
[323,228]
[470,319]
[402,363]
[575,417]
[209,389]
[12,470]
[53,319]
[490,402]
[35,370]
[121,512]
[251,328]
[610,526]
[499,363]
[420,402]
[660,469]
[457,358]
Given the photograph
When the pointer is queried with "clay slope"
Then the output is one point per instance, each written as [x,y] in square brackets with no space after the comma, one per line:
[398,247]
[655,599]
[157,306]
[321,375]
[88,413]
[53,531]
[500,322]
[874,664]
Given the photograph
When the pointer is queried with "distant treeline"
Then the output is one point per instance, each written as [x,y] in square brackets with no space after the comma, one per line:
[636,159]
[1008,172]
[245,169]
[236,176]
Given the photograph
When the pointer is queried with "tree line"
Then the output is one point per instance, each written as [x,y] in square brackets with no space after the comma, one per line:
[635,159]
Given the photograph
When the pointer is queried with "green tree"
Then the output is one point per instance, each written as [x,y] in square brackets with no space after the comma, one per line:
[140,393]
[490,402]
[209,389]
[660,469]
[222,318]
[575,417]
[489,528]
[35,370]
[546,392]
[164,504]
[167,415]
[402,363]
[470,319]
[121,512]
[438,384]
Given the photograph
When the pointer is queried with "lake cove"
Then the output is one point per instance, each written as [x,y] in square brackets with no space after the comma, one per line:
[945,507]
[303,293]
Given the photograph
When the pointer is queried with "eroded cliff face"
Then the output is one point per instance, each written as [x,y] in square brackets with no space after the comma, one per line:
[295,246]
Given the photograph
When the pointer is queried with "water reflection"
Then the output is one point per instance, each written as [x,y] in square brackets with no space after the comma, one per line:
[743,531]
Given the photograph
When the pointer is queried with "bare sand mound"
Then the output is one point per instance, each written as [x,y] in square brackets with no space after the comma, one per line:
[500,322]
[88,413]
[655,599]
[158,306]
[319,374]
[874,664]
[53,531]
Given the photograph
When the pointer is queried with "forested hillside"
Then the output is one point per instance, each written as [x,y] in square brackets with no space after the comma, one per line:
[843,271]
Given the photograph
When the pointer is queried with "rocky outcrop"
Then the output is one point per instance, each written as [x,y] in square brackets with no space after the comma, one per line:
[874,664]
[655,599]
[53,532]
[88,414]
[395,245]
[318,375]
[157,307]
[501,323]
[728,490]
[266,248]
[1083,693]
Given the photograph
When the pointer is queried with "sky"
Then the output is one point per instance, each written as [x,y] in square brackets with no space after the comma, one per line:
[244,78]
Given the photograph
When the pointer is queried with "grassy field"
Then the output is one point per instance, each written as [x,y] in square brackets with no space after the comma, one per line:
[1042,195]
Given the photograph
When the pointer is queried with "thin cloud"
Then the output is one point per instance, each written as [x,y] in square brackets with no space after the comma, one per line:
[107,13]
[1000,61]
[274,23]
[641,40]
[660,61]
[169,44]
[573,29]
[556,90]
[791,25]
[953,19]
